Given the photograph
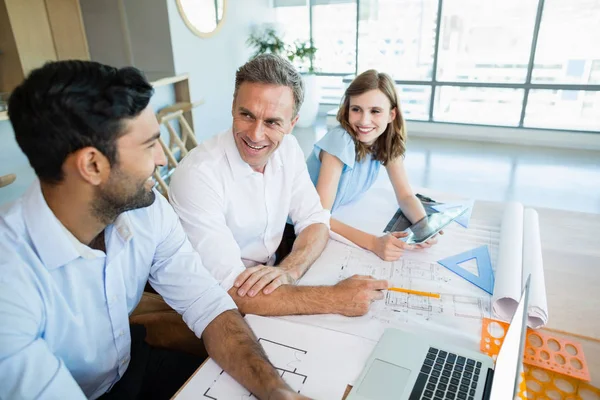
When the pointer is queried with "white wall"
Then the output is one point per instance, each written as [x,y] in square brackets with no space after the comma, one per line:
[150,38]
[130,32]
[212,62]
[104,31]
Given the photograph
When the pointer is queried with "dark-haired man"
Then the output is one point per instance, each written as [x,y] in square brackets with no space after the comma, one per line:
[78,248]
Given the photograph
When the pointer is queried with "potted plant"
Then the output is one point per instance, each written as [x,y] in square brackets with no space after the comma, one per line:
[265,39]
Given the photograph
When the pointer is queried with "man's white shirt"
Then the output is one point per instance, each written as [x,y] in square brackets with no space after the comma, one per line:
[234,216]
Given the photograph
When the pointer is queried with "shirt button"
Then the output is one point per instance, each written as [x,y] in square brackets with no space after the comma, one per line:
[121,333]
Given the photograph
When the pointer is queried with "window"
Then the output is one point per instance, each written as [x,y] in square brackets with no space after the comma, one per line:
[568,48]
[479,105]
[414,101]
[517,63]
[483,40]
[293,21]
[334,35]
[332,89]
[397,37]
[563,109]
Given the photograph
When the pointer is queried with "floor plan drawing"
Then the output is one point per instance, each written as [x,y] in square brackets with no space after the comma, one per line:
[285,359]
[315,362]
[453,308]
[452,305]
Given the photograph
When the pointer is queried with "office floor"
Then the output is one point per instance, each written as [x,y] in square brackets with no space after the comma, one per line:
[541,177]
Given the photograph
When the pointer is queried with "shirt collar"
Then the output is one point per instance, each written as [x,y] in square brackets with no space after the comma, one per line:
[54,243]
[239,167]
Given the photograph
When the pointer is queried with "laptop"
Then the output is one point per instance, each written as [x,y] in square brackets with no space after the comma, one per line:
[407,366]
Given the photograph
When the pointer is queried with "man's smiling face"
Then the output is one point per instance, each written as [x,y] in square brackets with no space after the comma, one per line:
[262,116]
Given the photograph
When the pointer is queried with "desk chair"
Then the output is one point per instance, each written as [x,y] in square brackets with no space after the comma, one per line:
[179,146]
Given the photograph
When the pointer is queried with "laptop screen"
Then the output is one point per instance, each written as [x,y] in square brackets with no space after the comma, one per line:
[510,357]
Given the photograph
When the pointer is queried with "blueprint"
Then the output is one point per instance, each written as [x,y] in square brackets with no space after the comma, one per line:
[457,313]
[284,358]
[312,361]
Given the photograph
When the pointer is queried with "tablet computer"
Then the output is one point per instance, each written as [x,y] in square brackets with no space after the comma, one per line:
[429,225]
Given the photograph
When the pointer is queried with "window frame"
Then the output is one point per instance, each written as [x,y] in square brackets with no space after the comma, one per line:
[434,83]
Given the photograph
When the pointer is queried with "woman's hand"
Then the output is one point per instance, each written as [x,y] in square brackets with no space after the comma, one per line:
[429,242]
[389,247]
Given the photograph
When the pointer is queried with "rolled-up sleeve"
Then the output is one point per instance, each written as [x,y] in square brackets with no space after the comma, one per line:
[28,368]
[179,276]
[196,198]
[305,207]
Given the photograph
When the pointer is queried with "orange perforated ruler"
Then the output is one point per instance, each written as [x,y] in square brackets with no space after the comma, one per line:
[541,350]
[555,368]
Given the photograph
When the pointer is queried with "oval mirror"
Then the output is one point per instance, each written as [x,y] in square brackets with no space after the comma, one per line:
[203,17]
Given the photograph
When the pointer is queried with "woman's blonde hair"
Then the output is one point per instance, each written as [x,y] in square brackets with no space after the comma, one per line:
[392,143]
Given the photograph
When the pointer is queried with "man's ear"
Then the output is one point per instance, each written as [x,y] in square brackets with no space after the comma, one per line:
[90,165]
[294,120]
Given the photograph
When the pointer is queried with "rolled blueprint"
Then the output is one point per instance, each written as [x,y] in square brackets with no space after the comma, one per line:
[532,264]
[508,275]
[520,254]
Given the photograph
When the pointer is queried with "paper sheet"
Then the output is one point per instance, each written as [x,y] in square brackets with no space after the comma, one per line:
[315,362]
[456,315]
[520,254]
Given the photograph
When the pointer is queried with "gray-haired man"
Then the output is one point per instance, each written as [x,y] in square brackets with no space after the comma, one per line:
[235,192]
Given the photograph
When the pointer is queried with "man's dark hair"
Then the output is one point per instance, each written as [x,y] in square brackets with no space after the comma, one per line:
[65,106]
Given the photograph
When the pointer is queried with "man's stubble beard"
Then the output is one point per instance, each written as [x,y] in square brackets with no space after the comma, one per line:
[115,198]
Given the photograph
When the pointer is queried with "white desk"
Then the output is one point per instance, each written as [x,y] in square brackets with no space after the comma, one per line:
[571,252]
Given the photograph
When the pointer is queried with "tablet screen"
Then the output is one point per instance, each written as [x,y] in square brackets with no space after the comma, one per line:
[428,226]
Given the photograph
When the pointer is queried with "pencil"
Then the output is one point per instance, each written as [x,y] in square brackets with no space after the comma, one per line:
[417,292]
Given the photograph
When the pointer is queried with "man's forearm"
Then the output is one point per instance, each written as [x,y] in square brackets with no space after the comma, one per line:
[289,300]
[308,246]
[232,344]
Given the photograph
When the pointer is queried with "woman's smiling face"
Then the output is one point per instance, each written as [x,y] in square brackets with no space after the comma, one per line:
[369,115]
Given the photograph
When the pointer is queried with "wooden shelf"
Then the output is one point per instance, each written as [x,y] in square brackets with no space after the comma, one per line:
[170,80]
[3,115]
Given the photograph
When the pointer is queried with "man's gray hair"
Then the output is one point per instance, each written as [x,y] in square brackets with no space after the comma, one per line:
[273,70]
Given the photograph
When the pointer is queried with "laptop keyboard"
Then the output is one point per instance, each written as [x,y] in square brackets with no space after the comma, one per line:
[446,375]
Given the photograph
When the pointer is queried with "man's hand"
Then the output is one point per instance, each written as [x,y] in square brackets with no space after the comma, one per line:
[353,296]
[254,279]
[389,247]
[284,394]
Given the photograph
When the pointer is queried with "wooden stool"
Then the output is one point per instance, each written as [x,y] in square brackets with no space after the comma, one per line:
[179,146]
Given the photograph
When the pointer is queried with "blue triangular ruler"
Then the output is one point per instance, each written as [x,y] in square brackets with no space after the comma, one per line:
[463,219]
[485,280]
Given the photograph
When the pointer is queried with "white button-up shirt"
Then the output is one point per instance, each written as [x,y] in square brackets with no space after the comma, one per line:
[64,307]
[235,216]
